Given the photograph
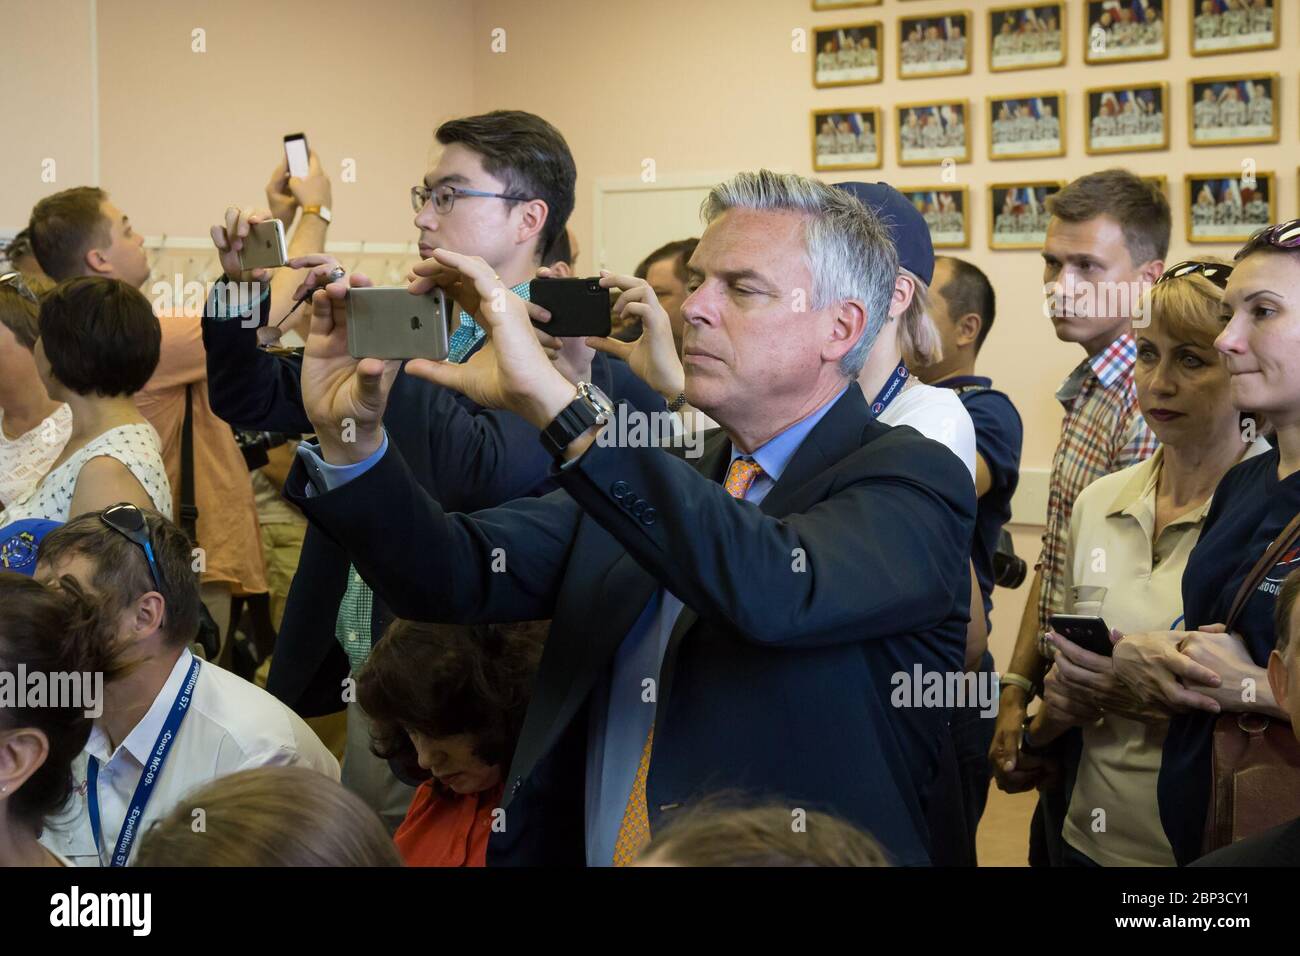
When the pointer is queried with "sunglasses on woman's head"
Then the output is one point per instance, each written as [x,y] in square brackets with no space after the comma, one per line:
[15,279]
[1216,272]
[1283,235]
[129,521]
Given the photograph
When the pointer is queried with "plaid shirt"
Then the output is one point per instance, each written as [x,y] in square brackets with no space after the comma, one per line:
[1103,432]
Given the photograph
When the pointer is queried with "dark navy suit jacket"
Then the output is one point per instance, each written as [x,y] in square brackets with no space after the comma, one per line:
[799,615]
[466,456]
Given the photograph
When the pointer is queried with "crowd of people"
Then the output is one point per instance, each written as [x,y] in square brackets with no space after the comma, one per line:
[498,639]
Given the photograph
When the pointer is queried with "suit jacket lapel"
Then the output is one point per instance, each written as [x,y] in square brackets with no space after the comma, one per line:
[837,434]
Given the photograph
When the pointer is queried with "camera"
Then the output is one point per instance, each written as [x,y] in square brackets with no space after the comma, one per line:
[1008,567]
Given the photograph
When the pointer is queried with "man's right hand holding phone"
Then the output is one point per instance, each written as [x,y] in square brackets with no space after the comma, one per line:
[229,237]
[653,357]
[344,397]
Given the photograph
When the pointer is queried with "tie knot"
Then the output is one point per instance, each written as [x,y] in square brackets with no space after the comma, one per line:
[741,475]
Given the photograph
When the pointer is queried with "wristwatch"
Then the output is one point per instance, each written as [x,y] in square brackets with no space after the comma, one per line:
[1025,745]
[322,211]
[591,407]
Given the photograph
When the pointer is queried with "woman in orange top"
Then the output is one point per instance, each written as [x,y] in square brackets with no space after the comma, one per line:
[450,700]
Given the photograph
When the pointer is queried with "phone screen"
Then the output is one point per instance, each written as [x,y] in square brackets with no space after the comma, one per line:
[295,151]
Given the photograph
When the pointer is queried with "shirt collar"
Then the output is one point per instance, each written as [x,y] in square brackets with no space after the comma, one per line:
[1109,365]
[961,381]
[1114,361]
[139,743]
[1138,495]
[776,452]
[523,290]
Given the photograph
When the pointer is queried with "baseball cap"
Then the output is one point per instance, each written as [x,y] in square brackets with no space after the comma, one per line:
[906,226]
[20,543]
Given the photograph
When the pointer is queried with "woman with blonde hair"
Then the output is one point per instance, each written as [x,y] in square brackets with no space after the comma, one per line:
[1131,534]
[269,816]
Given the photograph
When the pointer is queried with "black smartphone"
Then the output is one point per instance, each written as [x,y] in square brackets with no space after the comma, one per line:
[295,154]
[577,306]
[1090,633]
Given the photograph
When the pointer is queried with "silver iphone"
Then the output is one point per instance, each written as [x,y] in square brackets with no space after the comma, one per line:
[391,323]
[264,246]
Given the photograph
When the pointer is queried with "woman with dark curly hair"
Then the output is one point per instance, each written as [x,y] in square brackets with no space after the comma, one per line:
[446,703]
[44,632]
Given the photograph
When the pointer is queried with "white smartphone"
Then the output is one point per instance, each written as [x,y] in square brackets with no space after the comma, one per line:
[295,153]
[264,247]
[390,323]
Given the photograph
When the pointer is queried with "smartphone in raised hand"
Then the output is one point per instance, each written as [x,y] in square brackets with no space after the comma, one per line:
[296,154]
[391,323]
[264,248]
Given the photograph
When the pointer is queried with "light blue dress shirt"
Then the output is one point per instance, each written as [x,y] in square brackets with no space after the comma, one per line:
[621,717]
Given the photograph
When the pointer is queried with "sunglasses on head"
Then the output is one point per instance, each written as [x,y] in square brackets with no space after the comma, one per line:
[1283,235]
[128,521]
[15,279]
[1216,272]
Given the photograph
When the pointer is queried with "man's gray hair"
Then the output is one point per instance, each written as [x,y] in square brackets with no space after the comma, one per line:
[847,248]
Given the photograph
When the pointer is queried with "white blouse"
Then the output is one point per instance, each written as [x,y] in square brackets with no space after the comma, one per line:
[136,446]
[25,460]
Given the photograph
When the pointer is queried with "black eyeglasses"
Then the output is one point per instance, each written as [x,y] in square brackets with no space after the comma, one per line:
[444,197]
[1283,235]
[15,279]
[1216,272]
[128,521]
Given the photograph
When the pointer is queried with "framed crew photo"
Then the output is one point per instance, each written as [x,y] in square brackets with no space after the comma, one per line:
[1231,26]
[1025,127]
[843,4]
[846,139]
[929,133]
[1119,30]
[848,55]
[1228,207]
[1127,119]
[1018,215]
[937,44]
[1239,108]
[1026,36]
[945,211]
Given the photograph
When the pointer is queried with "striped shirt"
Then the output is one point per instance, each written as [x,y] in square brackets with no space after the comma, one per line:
[1103,432]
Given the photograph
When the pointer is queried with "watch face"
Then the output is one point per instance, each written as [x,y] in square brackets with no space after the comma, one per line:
[604,406]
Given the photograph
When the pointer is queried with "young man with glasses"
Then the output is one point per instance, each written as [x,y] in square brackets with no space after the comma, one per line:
[187,721]
[501,189]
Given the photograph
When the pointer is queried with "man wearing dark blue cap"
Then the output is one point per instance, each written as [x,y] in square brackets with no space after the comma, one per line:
[909,339]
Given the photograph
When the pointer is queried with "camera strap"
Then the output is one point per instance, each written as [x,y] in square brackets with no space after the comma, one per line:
[188,511]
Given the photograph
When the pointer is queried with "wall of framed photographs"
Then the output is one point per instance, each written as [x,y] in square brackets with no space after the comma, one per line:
[1200,95]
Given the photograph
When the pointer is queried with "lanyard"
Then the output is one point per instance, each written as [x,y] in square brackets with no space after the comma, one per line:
[144,789]
[890,391]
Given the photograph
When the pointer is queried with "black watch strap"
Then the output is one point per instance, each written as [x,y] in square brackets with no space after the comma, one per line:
[576,417]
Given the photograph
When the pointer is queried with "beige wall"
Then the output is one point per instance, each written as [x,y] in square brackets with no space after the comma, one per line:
[699,87]
[184,133]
